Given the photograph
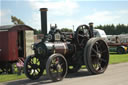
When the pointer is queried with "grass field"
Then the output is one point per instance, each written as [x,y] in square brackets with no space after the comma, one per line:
[114,59]
[118,58]
[8,77]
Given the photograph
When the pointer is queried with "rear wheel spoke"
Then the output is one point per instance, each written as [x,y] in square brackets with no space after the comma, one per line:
[94,50]
[103,60]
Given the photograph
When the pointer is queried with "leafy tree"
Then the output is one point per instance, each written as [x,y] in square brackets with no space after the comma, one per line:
[37,31]
[66,30]
[114,30]
[15,20]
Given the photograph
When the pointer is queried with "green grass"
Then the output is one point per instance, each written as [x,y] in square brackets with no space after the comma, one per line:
[114,59]
[8,77]
[118,58]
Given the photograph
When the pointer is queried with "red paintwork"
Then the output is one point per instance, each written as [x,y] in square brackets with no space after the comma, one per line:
[12,46]
[4,45]
[8,43]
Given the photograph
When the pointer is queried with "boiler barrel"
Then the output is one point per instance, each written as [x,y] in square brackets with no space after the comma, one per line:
[57,47]
[45,49]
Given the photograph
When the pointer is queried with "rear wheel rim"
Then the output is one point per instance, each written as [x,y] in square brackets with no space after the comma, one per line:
[96,55]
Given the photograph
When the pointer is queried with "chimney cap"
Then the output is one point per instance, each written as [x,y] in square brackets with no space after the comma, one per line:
[91,23]
[43,9]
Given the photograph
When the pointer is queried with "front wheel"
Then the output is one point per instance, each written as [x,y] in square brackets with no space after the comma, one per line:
[56,67]
[96,55]
[33,68]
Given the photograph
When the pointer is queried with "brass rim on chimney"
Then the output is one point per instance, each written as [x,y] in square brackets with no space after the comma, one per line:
[43,9]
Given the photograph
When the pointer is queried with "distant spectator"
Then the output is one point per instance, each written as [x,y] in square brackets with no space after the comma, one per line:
[117,39]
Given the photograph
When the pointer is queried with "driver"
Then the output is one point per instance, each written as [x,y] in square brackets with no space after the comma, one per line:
[91,28]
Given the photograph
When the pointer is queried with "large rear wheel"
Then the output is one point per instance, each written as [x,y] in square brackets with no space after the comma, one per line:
[96,55]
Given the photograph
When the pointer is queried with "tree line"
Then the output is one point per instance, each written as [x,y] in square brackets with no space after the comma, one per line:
[109,29]
[114,29]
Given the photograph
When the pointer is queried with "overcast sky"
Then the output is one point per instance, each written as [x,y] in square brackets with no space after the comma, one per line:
[65,13]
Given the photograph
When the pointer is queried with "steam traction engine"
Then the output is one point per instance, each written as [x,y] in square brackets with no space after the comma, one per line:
[61,53]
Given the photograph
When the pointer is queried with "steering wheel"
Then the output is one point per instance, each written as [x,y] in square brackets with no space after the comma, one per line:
[82,35]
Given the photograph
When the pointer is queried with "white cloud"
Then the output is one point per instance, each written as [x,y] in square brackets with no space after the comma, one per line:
[58,8]
[55,9]
[98,17]
[108,17]
[123,12]
[68,23]
[68,8]
[35,21]
[101,17]
[5,17]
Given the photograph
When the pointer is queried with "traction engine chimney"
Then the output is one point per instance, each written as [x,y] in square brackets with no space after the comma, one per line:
[44,20]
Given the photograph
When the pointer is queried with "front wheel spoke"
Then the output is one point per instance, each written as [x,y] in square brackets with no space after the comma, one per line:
[58,74]
[34,72]
[31,62]
[61,64]
[53,61]
[37,60]
[51,69]
[38,70]
[29,66]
